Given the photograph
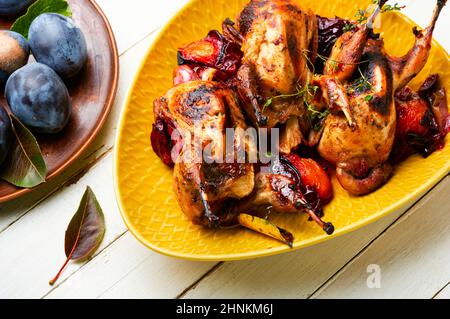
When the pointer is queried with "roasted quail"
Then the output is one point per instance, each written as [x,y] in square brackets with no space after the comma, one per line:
[276,68]
[279,40]
[200,112]
[360,151]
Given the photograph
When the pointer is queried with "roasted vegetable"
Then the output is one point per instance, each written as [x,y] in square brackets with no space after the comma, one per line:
[422,120]
[214,51]
[314,176]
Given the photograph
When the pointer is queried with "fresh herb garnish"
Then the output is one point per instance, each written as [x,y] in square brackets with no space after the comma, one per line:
[334,63]
[362,84]
[362,15]
[316,117]
[349,27]
[368,98]
[308,90]
[267,104]
[307,93]
[389,7]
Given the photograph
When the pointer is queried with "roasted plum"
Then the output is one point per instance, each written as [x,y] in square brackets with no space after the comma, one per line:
[38,97]
[183,74]
[313,175]
[57,42]
[14,53]
[436,96]
[161,139]
[214,51]
[422,120]
[288,187]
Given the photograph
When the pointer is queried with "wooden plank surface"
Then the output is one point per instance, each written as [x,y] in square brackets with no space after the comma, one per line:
[132,20]
[291,275]
[32,228]
[412,256]
[443,293]
[294,275]
[127,269]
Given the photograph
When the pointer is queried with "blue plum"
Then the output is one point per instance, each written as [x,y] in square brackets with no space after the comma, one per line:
[57,42]
[14,53]
[39,98]
[13,7]
[5,134]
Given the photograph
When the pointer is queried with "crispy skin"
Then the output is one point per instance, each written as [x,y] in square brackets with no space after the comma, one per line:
[357,150]
[405,68]
[280,38]
[361,151]
[206,108]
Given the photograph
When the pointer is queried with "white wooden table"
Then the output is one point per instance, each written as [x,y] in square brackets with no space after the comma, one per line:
[408,249]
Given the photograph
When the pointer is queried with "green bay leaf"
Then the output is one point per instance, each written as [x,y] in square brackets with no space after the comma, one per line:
[85,231]
[24,166]
[22,24]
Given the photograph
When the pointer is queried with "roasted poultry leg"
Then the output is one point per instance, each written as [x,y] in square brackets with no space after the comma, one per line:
[405,68]
[201,112]
[279,40]
[284,189]
[348,49]
[344,60]
[360,151]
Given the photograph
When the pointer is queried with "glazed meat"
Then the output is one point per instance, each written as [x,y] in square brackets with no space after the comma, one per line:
[279,39]
[360,151]
[344,100]
[201,112]
[291,185]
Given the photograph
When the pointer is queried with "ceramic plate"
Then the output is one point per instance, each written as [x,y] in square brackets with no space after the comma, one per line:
[144,185]
[92,93]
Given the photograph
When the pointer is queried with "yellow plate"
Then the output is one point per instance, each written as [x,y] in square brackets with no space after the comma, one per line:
[144,185]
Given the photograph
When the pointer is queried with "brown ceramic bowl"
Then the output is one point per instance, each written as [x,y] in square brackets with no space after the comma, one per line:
[92,93]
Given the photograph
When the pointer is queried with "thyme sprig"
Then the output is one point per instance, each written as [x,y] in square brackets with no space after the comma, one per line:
[349,27]
[307,90]
[361,84]
[315,114]
[334,63]
[363,15]
[308,93]
[368,98]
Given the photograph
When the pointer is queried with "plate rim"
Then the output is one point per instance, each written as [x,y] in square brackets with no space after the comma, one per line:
[109,103]
[405,202]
